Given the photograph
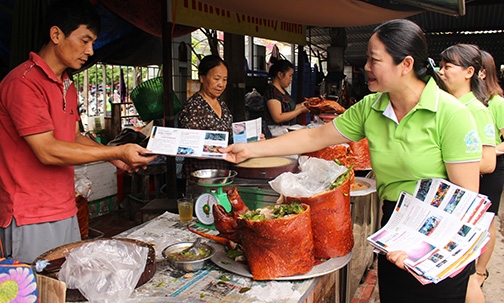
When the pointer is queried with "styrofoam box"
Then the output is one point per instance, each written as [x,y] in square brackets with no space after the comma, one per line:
[103,177]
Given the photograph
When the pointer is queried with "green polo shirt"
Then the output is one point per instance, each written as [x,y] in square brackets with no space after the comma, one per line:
[438,130]
[483,118]
[496,108]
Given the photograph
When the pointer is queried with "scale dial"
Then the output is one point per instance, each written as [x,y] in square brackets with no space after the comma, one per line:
[203,208]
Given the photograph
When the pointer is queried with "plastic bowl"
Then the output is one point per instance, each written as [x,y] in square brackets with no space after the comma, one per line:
[214,176]
[190,265]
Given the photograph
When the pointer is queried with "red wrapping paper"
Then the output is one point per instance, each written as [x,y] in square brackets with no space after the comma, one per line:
[278,248]
[331,221]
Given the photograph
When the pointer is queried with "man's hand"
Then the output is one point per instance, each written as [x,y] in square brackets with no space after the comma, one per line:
[134,157]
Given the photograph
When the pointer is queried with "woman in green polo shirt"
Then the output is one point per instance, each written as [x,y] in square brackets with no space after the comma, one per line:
[461,68]
[491,184]
[415,131]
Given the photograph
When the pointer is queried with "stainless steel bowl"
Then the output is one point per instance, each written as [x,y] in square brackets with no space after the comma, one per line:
[187,266]
[214,176]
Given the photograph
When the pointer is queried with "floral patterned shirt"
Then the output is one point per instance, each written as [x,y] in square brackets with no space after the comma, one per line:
[198,114]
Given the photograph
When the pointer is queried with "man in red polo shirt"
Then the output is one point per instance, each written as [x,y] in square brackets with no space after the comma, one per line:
[40,138]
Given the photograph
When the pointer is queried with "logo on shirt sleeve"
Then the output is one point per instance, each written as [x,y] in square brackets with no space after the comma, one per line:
[490,131]
[472,140]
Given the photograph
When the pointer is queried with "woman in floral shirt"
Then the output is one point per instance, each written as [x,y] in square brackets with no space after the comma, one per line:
[205,110]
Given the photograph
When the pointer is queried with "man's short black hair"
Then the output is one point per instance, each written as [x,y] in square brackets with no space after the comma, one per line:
[68,15]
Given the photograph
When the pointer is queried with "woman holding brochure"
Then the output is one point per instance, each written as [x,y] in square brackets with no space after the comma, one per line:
[415,131]
[206,111]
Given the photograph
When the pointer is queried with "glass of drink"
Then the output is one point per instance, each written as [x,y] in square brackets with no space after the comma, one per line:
[185,209]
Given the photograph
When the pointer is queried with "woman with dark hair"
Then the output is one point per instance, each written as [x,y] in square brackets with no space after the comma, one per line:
[205,110]
[491,184]
[461,68]
[281,109]
[415,131]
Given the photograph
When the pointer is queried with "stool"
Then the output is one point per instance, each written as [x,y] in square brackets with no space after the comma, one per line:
[140,181]
[157,207]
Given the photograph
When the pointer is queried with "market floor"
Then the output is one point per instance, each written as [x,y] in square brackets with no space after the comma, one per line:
[116,222]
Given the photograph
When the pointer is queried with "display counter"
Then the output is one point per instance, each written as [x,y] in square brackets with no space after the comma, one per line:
[214,284]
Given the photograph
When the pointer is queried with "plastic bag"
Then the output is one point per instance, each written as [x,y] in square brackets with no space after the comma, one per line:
[315,177]
[254,101]
[82,183]
[104,271]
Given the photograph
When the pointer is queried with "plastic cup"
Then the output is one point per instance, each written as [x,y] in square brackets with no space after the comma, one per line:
[185,209]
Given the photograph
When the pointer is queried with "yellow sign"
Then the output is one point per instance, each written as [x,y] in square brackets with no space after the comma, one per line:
[200,14]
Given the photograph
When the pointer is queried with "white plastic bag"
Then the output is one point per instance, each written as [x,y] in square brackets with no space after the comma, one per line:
[82,183]
[315,177]
[104,270]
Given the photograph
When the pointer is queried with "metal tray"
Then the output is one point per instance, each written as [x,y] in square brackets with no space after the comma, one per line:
[220,259]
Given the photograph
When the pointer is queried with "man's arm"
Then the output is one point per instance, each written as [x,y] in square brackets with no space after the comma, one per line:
[51,151]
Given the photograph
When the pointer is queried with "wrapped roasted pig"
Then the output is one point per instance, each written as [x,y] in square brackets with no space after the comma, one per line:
[353,153]
[265,235]
[277,240]
[359,155]
[318,105]
[338,151]
[331,220]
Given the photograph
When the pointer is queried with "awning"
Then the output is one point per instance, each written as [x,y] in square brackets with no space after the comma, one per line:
[334,13]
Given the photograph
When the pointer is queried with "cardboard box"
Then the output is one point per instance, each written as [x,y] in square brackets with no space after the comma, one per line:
[103,177]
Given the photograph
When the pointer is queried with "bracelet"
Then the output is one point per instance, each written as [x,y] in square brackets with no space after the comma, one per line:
[481,274]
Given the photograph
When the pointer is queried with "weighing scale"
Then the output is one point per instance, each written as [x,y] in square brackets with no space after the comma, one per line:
[213,180]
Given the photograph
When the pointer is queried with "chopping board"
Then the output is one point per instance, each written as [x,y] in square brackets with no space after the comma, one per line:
[51,290]
[265,167]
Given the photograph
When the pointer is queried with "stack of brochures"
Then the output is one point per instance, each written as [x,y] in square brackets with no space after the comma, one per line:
[442,227]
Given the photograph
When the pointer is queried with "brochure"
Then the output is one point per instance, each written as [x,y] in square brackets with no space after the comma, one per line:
[247,131]
[187,142]
[438,227]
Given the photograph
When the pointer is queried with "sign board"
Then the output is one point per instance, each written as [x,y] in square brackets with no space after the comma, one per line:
[200,14]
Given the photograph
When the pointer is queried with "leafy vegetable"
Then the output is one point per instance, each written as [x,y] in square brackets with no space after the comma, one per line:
[342,178]
[273,212]
[233,253]
[186,255]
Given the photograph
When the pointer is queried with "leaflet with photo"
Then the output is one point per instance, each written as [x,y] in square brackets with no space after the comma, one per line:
[247,131]
[187,142]
[438,229]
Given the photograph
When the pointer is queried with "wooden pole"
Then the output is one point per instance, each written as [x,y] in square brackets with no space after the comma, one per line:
[234,55]
[169,116]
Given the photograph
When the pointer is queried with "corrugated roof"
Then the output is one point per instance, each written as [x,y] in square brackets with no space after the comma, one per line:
[483,25]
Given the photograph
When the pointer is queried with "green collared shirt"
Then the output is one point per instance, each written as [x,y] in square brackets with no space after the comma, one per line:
[483,118]
[438,130]
[496,108]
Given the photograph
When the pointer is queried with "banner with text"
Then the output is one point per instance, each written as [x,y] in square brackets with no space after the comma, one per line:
[200,14]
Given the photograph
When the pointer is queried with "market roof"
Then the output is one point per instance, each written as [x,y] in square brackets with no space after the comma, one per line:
[482,25]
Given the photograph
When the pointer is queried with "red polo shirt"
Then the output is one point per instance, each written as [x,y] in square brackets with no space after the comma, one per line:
[32,101]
